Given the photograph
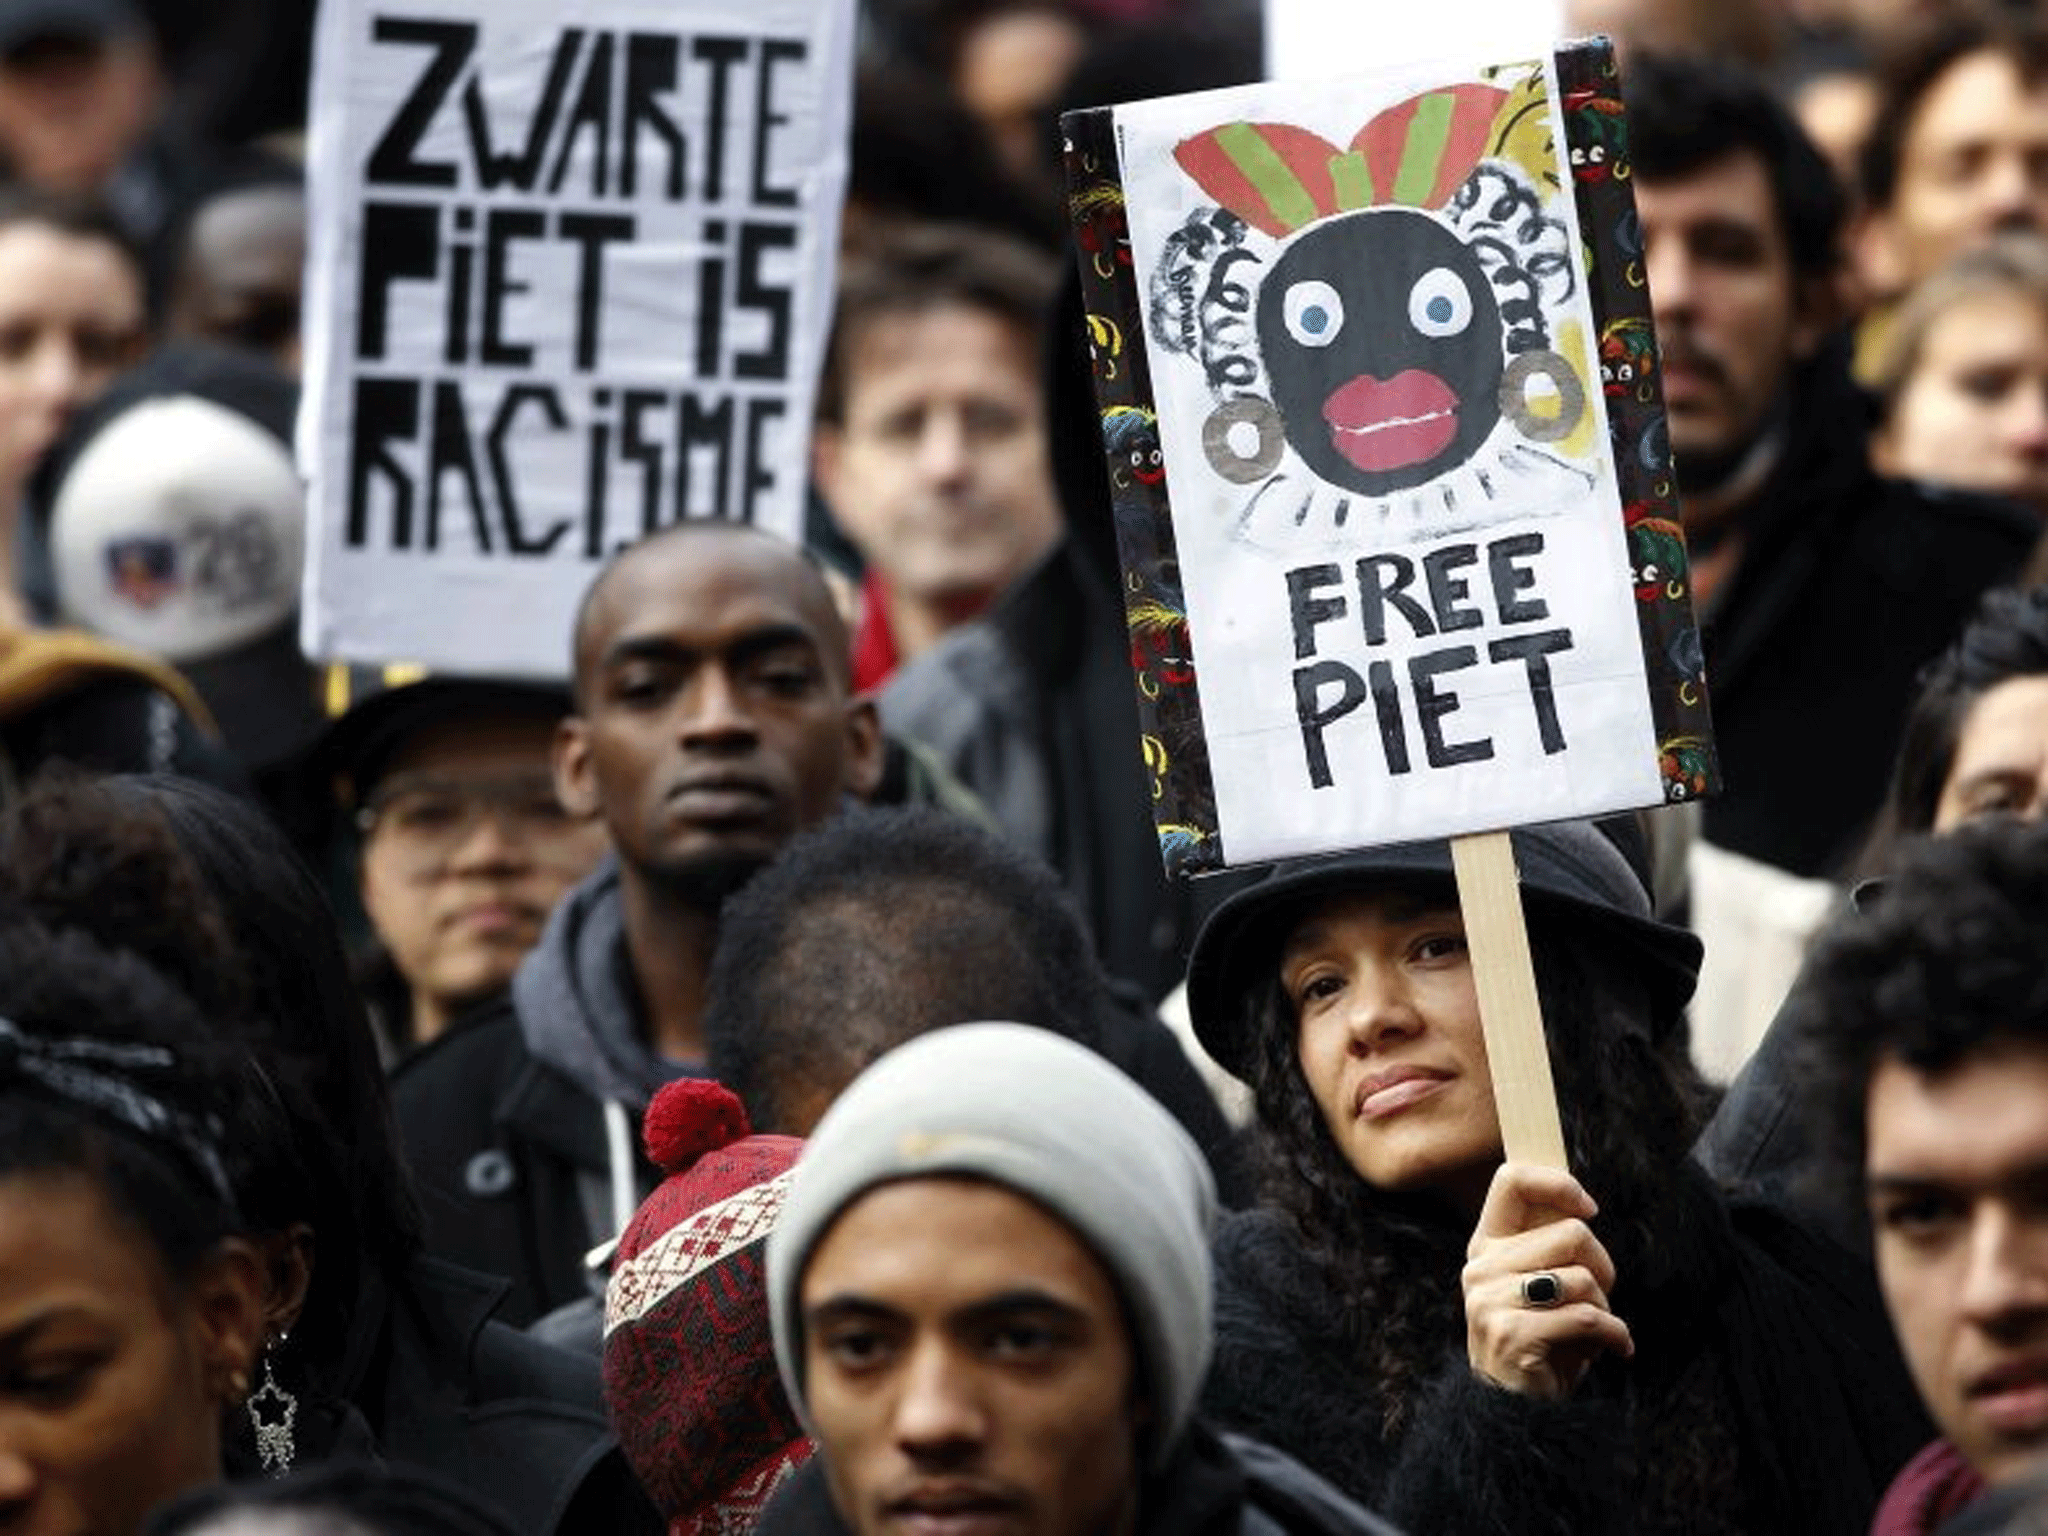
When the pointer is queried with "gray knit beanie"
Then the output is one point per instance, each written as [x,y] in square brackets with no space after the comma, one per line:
[1040,1115]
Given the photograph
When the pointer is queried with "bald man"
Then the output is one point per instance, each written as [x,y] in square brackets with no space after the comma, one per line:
[714,719]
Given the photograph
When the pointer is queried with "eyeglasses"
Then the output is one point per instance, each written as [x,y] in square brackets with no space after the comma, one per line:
[429,818]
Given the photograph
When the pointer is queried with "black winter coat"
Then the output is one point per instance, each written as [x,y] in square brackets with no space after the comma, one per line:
[1765,1394]
[1213,1486]
[1847,585]
[432,1381]
[510,1152]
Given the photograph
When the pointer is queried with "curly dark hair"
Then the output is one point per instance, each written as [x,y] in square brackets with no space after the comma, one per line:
[1946,959]
[1631,1101]
[208,892]
[878,926]
[65,986]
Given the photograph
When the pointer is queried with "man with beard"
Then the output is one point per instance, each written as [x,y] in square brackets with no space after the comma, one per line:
[1820,587]
[713,720]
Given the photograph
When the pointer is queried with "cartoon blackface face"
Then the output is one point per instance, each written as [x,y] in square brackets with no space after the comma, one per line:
[1382,339]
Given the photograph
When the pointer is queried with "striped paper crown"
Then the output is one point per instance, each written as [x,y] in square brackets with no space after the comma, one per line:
[1279,178]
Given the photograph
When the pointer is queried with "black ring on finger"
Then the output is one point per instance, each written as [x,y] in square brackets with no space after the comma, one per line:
[1542,1290]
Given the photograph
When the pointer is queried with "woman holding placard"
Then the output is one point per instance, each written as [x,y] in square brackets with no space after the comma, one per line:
[1468,1344]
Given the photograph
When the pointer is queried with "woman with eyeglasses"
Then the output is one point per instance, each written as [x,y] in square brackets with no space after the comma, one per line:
[463,848]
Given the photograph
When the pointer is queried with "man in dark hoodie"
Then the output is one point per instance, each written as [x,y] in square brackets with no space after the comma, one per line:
[714,720]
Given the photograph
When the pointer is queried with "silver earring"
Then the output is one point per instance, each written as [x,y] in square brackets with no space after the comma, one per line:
[272,1413]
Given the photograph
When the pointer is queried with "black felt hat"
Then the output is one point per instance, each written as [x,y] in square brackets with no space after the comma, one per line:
[1570,870]
[352,755]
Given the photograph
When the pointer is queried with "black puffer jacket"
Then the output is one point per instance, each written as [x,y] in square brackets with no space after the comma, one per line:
[1765,1394]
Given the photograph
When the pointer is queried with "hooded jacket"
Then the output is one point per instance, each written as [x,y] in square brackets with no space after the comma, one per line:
[521,1124]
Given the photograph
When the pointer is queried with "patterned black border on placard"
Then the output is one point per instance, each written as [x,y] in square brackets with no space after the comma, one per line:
[1596,136]
[1162,653]
[1162,656]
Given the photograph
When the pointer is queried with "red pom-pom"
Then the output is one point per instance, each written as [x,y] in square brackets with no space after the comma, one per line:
[688,1119]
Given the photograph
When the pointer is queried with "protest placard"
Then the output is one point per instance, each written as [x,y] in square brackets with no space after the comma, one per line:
[1392,488]
[569,281]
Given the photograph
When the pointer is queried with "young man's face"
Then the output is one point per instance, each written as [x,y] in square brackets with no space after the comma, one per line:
[1731,316]
[1974,160]
[968,1367]
[1956,1167]
[714,719]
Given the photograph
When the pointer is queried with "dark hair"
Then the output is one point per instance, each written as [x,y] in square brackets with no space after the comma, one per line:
[878,926]
[2006,638]
[1946,959]
[1631,1101]
[62,986]
[917,268]
[1685,114]
[1916,64]
[81,217]
[207,890]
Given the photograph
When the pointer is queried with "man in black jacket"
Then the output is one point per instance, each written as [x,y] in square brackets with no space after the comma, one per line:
[990,1295]
[1821,588]
[714,719]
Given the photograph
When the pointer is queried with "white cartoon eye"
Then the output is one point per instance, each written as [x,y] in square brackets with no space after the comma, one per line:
[1313,312]
[1440,304]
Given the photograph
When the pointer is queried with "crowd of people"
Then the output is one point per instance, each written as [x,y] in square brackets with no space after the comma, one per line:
[763,1078]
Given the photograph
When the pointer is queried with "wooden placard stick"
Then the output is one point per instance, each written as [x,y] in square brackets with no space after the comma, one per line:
[1490,892]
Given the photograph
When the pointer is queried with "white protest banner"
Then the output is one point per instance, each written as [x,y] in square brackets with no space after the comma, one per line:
[1376,400]
[569,281]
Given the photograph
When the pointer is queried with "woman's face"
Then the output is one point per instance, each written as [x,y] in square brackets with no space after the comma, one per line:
[469,854]
[112,1378]
[1974,410]
[1390,1044]
[2001,761]
[71,317]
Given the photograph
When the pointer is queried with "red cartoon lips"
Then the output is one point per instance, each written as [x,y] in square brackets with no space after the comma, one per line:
[1385,424]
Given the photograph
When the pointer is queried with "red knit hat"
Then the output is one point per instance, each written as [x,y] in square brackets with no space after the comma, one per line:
[689,1366]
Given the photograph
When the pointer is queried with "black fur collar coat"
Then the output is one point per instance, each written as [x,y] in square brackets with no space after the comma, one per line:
[1765,1395]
